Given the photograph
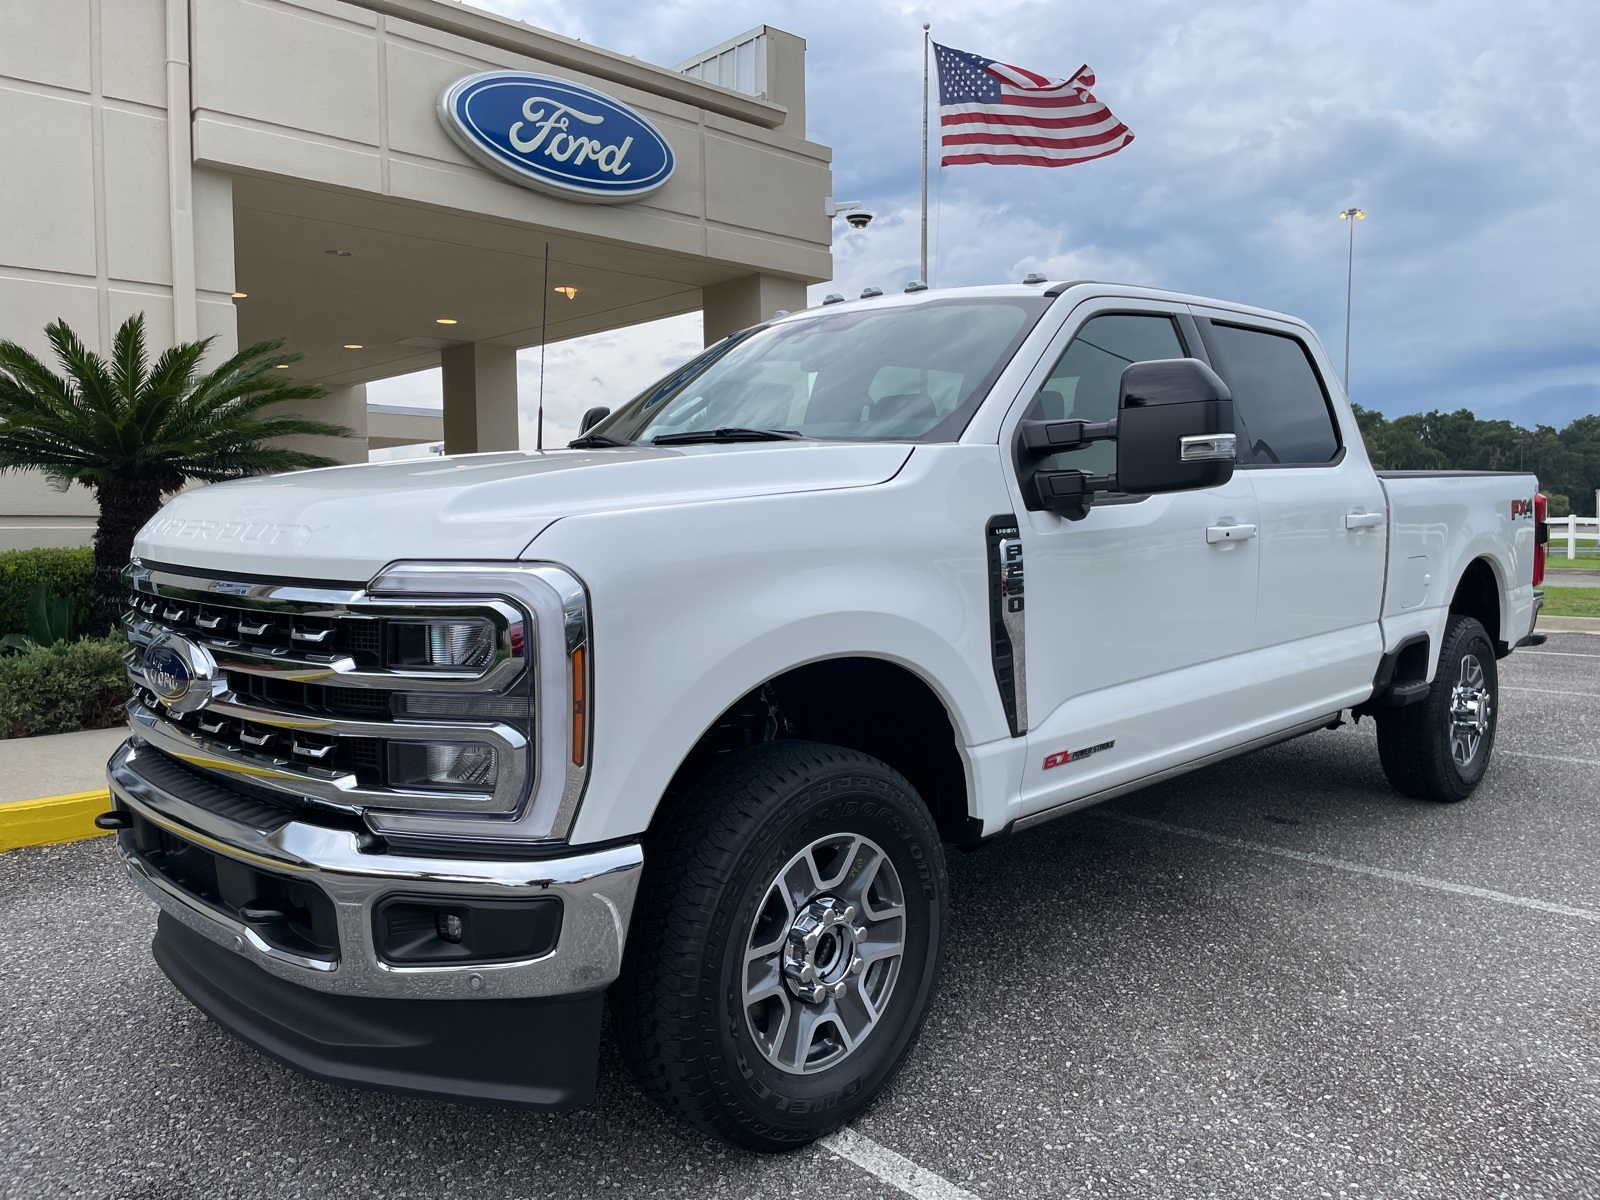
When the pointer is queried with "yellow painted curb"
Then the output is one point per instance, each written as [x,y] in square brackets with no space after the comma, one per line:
[51,819]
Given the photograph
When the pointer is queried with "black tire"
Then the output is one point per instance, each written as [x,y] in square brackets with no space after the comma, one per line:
[1415,743]
[678,1009]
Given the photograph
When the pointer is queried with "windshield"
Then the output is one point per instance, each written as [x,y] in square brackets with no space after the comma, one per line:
[913,373]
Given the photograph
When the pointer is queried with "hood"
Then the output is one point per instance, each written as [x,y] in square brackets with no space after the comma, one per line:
[345,523]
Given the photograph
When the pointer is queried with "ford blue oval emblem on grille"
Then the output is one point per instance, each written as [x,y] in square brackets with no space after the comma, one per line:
[557,136]
[166,672]
[182,674]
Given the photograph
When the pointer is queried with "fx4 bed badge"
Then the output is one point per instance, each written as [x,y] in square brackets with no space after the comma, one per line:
[1062,757]
[1521,508]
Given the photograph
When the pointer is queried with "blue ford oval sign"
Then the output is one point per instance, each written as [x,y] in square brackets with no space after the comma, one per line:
[557,136]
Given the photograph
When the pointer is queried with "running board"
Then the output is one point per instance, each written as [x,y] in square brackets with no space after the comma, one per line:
[1122,789]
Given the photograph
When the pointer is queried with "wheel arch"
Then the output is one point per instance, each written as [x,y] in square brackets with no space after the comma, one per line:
[870,703]
[1480,593]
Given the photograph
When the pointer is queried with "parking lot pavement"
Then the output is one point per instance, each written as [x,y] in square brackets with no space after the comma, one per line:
[1271,978]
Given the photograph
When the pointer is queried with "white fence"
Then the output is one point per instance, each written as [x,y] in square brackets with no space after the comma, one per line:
[1572,529]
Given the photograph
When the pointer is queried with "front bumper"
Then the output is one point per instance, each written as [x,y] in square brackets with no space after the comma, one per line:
[596,891]
[336,1006]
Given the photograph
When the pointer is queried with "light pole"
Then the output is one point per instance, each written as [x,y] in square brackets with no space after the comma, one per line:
[1351,215]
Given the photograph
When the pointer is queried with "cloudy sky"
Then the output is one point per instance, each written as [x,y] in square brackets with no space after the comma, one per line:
[1468,131]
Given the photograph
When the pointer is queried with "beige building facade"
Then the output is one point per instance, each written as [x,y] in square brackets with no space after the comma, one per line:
[254,169]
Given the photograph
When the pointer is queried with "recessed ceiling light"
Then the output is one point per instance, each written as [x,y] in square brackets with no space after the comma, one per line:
[338,253]
[444,320]
[352,346]
[568,292]
[240,295]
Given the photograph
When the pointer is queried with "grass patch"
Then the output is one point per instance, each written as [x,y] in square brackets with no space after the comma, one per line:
[1571,602]
[1556,559]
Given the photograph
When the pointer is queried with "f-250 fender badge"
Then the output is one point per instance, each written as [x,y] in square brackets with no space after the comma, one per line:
[1062,757]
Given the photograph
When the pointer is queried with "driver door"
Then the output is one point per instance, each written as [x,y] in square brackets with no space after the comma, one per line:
[1137,616]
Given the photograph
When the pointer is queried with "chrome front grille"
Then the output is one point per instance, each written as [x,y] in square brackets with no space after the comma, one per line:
[305,698]
[350,634]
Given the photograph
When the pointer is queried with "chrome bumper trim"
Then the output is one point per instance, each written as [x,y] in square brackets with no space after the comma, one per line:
[596,890]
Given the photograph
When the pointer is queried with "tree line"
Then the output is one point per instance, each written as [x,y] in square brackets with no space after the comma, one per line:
[1567,461]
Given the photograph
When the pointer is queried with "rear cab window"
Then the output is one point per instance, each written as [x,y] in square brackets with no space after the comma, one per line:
[1281,409]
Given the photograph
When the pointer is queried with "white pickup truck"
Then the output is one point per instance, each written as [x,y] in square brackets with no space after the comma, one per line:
[430,758]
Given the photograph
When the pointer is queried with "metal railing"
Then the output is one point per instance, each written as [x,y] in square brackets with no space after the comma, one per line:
[739,63]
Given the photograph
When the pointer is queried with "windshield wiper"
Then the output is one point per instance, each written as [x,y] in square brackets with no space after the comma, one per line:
[591,440]
[728,433]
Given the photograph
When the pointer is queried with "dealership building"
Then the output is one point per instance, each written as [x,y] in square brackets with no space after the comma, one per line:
[381,182]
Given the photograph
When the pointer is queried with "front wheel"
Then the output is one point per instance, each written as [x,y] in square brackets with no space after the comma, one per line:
[1439,748]
[785,944]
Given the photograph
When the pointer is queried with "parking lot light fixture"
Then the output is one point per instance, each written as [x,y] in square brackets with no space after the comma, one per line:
[1350,216]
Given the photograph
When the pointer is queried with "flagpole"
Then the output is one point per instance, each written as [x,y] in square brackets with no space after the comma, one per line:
[926,37]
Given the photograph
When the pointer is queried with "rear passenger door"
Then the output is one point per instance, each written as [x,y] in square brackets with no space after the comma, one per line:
[1322,512]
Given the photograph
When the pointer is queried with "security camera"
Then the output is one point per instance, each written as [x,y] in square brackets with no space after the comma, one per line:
[859,220]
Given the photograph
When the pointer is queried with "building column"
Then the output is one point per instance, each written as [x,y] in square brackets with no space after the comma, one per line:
[480,398]
[343,405]
[748,300]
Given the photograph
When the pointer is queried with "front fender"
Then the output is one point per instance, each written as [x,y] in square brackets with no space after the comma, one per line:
[693,606]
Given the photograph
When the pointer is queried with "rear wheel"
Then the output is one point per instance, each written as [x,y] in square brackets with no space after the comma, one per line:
[785,944]
[1439,748]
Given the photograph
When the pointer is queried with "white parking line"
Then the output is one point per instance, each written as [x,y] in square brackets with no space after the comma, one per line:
[1506,687]
[1558,653]
[1560,758]
[894,1169]
[1339,864]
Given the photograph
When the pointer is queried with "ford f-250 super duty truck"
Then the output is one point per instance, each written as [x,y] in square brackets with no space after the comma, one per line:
[430,758]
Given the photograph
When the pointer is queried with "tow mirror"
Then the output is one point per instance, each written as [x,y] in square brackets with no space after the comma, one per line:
[1174,432]
[593,417]
[1174,428]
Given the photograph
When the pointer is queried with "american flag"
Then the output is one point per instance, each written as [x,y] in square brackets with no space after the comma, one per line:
[993,113]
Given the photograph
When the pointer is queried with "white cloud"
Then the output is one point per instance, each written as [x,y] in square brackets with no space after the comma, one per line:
[1469,131]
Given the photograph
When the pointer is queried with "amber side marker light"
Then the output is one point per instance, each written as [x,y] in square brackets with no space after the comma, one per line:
[580,706]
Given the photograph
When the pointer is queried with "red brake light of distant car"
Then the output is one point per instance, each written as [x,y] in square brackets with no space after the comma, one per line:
[1541,535]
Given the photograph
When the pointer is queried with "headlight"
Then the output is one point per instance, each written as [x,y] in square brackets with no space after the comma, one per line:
[462,766]
[456,644]
[501,643]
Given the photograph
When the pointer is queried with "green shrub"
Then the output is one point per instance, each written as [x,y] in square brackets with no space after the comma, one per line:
[62,688]
[62,572]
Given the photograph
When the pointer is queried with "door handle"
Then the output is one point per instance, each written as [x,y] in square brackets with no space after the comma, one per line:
[1216,535]
[1363,520]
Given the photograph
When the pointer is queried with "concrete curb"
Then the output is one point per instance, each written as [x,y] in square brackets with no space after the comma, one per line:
[1567,624]
[51,819]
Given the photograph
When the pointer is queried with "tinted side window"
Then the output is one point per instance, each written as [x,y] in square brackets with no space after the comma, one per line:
[1083,384]
[1277,396]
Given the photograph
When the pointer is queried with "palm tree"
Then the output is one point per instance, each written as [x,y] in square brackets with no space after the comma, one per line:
[135,433]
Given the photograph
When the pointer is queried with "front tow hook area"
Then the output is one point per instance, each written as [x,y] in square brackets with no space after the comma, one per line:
[528,1053]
